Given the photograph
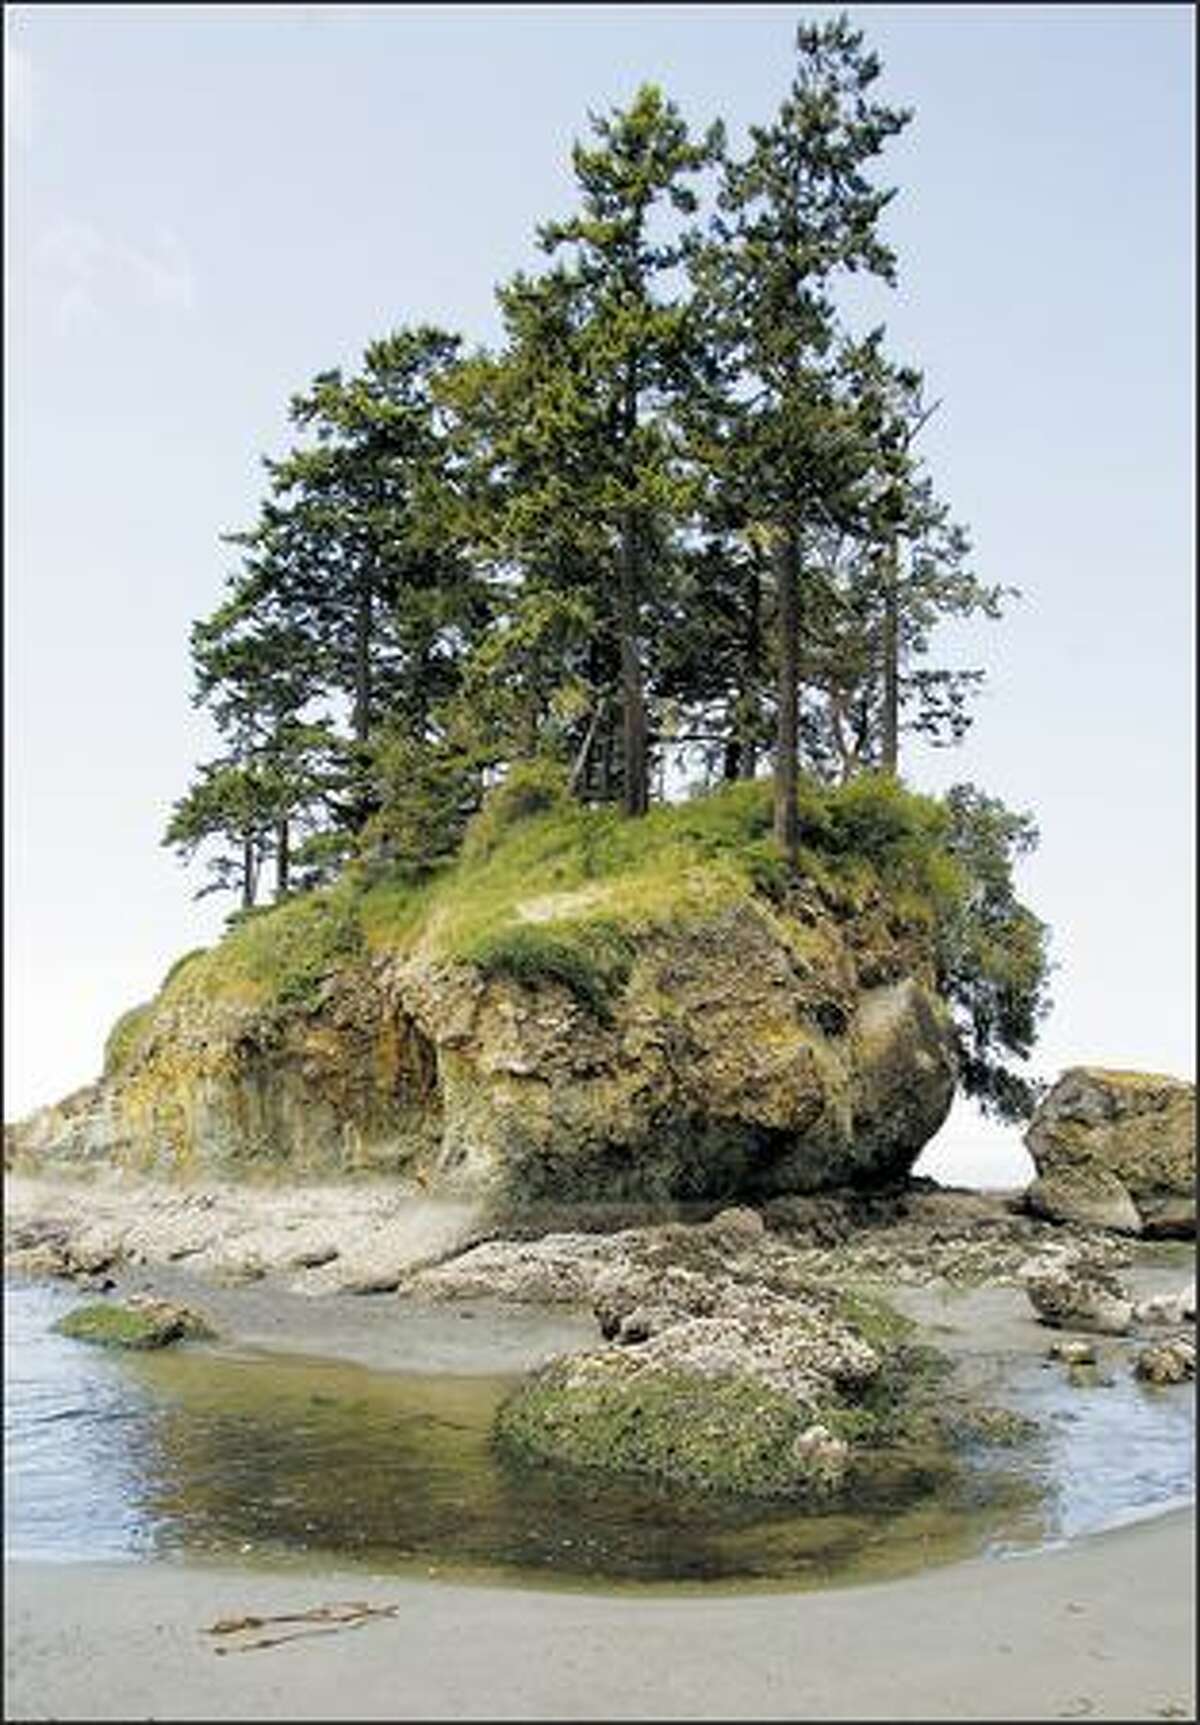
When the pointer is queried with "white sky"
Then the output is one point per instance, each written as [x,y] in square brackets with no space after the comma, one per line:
[207,205]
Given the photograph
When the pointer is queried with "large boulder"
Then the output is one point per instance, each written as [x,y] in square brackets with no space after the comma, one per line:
[751,1050]
[1116,1150]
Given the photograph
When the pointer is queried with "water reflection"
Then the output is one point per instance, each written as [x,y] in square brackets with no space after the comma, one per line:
[279,1458]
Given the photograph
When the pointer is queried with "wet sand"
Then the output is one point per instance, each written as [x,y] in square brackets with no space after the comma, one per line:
[1101,1629]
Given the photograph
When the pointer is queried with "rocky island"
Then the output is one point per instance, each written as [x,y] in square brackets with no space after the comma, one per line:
[637,1071]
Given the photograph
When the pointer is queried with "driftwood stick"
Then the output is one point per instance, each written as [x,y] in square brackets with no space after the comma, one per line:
[327,1620]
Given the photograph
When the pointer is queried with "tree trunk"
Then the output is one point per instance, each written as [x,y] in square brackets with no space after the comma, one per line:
[283,857]
[731,763]
[579,766]
[787,822]
[362,662]
[634,790]
[604,763]
[890,740]
[249,871]
[750,675]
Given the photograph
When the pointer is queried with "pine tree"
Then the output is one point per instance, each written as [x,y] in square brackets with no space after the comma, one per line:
[796,212]
[632,340]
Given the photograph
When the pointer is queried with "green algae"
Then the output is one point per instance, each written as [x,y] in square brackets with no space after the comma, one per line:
[138,1327]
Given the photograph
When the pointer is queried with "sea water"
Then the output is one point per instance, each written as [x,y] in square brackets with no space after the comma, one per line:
[235,1454]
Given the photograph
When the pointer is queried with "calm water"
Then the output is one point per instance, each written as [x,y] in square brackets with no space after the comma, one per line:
[275,1458]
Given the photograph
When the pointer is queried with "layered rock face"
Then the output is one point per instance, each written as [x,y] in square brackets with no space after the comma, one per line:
[748,1052]
[1116,1150]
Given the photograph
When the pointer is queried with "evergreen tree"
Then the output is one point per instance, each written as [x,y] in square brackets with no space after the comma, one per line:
[796,212]
[633,339]
[340,557]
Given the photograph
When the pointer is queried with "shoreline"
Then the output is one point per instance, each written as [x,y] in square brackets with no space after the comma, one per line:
[1100,1628]
[1100,1625]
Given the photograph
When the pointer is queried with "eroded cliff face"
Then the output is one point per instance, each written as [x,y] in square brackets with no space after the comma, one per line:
[753,1050]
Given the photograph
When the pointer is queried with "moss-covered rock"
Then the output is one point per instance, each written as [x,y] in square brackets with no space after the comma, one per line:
[1118,1150]
[610,1413]
[580,1008]
[139,1323]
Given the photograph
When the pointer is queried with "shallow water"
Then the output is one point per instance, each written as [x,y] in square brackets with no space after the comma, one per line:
[218,1453]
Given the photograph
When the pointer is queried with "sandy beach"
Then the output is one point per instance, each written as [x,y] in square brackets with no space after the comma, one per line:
[1102,1629]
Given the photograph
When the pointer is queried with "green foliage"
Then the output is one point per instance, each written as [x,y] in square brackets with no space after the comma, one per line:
[992,953]
[872,815]
[174,969]
[528,788]
[280,955]
[682,483]
[424,795]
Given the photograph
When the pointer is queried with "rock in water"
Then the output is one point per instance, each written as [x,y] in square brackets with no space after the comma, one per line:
[1072,1294]
[1167,1363]
[1116,1150]
[139,1322]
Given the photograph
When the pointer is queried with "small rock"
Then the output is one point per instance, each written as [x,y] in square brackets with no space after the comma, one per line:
[1166,1363]
[236,1274]
[1073,1353]
[312,1257]
[737,1227]
[371,1282]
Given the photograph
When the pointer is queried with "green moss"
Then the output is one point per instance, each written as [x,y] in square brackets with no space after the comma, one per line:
[123,1039]
[873,1319]
[898,1407]
[591,959]
[149,1326]
[730,1434]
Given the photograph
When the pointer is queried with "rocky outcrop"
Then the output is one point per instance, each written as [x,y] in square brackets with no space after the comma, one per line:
[751,1050]
[1116,1150]
[352,1237]
[725,1368]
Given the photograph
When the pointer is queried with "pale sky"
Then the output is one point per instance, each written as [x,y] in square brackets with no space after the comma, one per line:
[207,205]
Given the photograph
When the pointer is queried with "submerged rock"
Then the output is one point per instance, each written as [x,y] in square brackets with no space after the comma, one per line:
[727,1368]
[1117,1150]
[1073,1353]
